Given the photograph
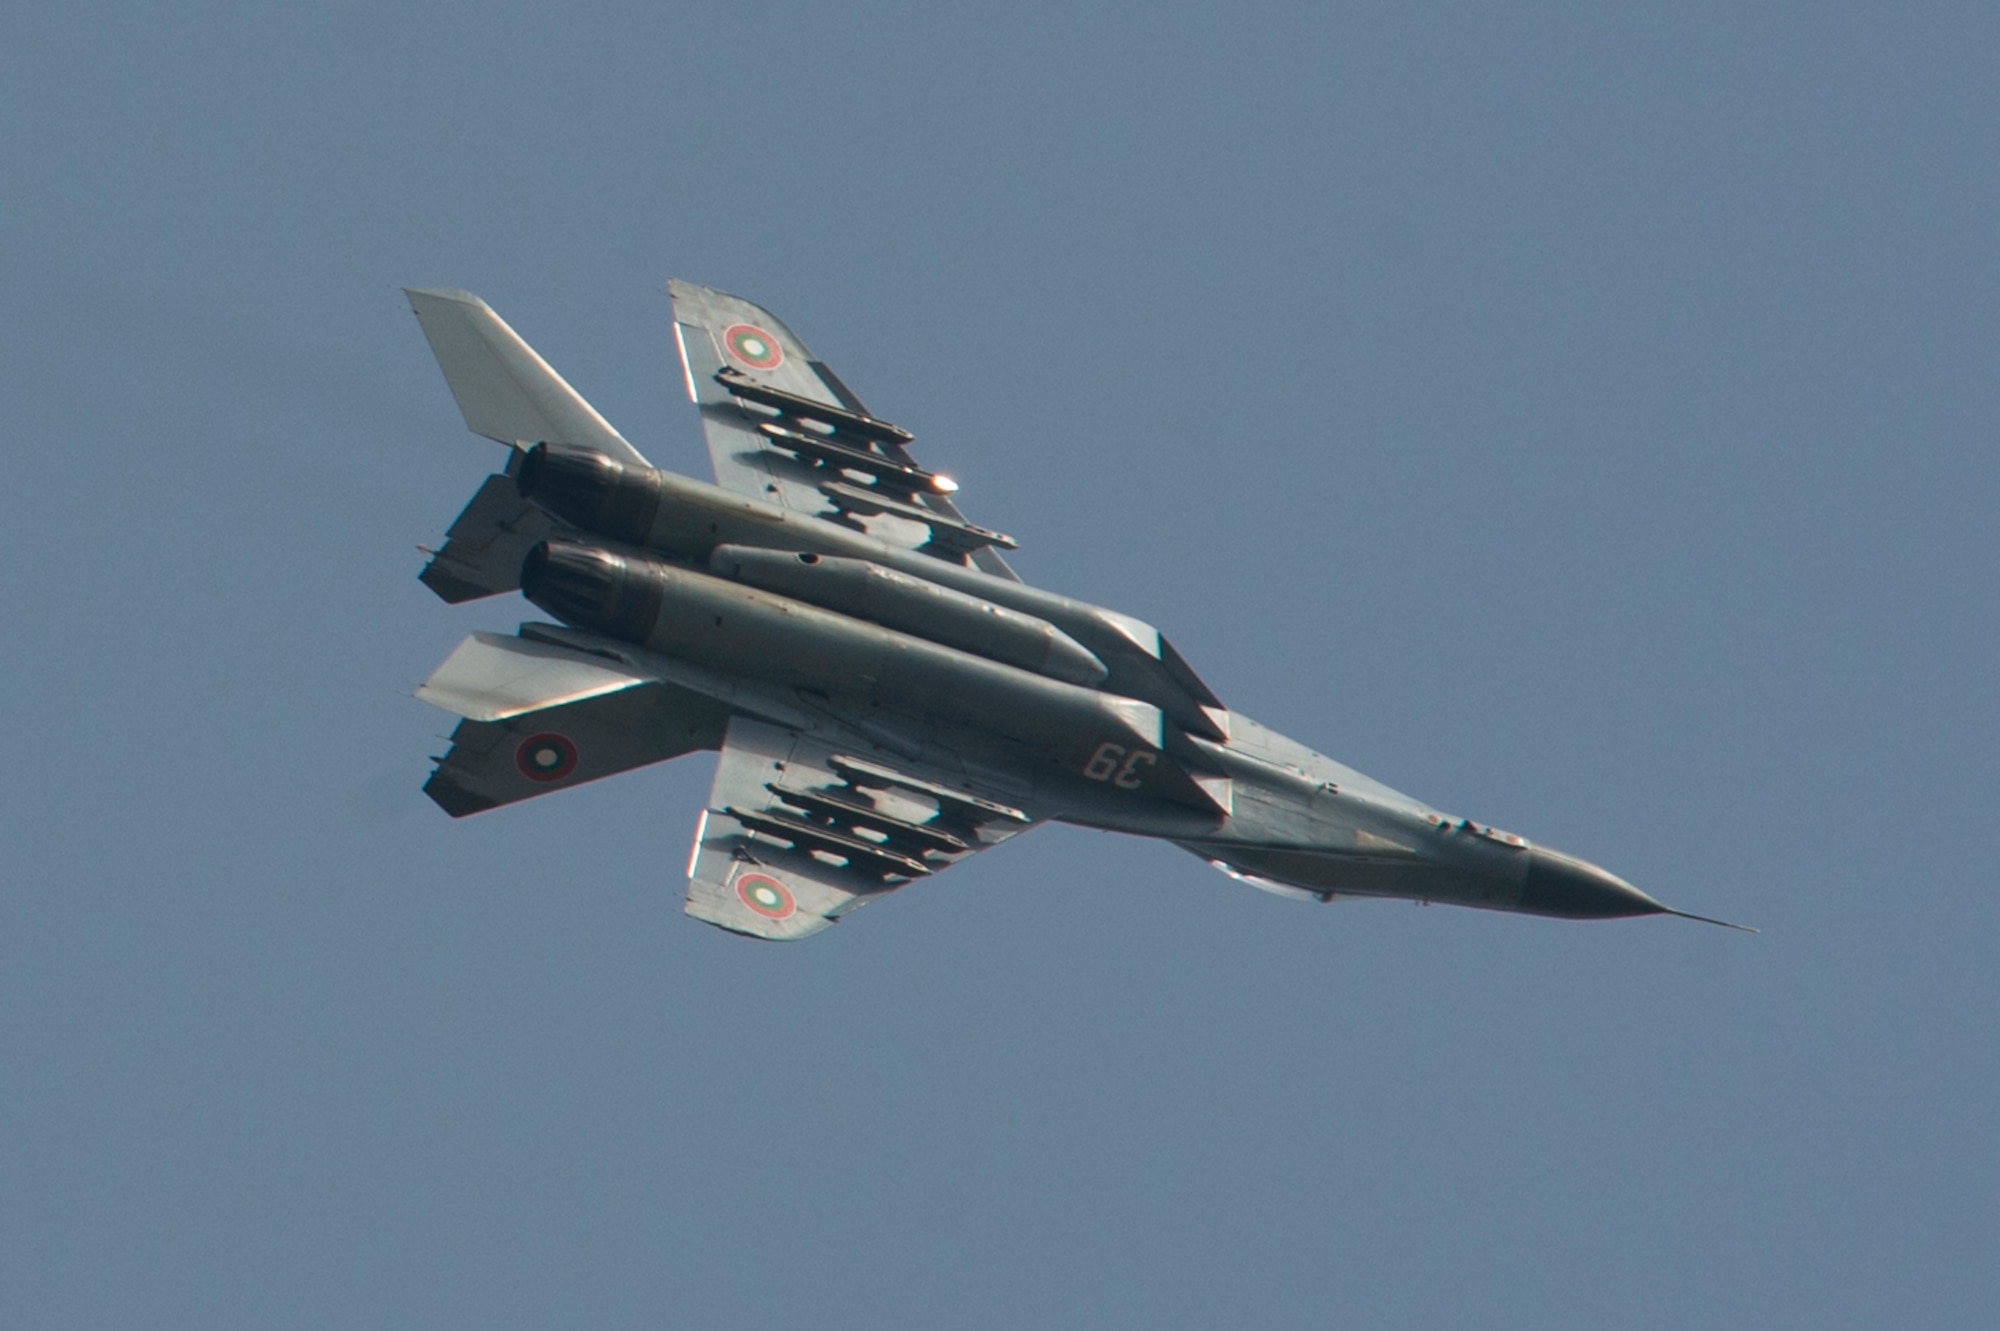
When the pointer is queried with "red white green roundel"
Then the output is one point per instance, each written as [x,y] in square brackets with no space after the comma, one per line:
[765,895]
[753,346]
[546,757]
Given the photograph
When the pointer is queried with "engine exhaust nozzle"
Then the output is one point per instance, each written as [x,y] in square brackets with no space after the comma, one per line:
[589,588]
[591,490]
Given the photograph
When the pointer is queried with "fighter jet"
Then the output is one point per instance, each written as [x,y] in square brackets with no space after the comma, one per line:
[887,696]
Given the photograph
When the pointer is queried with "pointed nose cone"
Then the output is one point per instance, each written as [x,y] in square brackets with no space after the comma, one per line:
[1573,889]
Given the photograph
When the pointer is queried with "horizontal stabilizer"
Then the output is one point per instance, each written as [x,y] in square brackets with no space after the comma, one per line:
[534,753]
[490,677]
[504,389]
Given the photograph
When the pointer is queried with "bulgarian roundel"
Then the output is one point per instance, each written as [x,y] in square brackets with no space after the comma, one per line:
[547,757]
[753,346]
[765,895]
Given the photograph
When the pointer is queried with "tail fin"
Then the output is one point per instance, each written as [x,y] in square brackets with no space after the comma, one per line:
[483,550]
[510,394]
[504,389]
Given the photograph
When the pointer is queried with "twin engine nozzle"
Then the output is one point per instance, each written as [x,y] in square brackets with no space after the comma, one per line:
[592,588]
[587,489]
[675,530]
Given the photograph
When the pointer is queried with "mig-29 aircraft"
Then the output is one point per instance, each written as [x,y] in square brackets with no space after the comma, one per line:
[887,696]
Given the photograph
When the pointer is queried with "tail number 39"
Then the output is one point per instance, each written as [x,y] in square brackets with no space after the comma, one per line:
[1112,763]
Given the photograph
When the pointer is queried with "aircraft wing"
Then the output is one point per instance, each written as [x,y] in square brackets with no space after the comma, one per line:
[798,833]
[782,426]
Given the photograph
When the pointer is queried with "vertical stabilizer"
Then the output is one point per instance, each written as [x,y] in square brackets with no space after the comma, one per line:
[504,389]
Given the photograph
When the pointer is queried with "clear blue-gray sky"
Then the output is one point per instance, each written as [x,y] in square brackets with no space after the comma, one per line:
[1582,417]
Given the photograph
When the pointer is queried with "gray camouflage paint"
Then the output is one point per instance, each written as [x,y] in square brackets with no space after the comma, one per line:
[887,696]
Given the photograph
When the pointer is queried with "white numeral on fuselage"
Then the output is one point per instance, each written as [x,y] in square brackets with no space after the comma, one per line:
[1104,765]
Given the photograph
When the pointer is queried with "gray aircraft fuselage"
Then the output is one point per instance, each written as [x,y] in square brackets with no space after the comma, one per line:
[1084,710]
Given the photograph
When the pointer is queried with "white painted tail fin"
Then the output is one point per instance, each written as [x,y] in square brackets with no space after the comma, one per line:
[504,389]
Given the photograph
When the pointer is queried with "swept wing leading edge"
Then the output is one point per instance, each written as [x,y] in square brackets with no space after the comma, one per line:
[799,831]
[781,426]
